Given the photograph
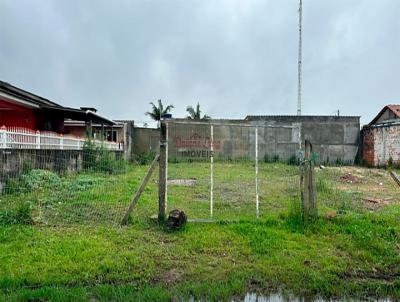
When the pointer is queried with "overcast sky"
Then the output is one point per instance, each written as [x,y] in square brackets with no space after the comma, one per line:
[234,57]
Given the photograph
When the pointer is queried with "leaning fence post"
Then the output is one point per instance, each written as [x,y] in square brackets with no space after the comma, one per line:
[3,137]
[307,178]
[140,190]
[162,183]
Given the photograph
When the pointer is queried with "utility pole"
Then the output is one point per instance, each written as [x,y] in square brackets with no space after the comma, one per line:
[299,61]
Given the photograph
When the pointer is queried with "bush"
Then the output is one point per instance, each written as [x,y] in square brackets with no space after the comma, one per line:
[84,182]
[107,162]
[89,154]
[34,180]
[39,180]
[21,214]
[98,159]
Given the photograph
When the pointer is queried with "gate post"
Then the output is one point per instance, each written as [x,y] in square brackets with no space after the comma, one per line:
[212,171]
[162,182]
[307,179]
[256,166]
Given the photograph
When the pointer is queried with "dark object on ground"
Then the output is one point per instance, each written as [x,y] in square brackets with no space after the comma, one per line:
[176,219]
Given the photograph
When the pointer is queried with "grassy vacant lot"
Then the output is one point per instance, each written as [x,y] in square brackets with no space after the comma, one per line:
[352,250]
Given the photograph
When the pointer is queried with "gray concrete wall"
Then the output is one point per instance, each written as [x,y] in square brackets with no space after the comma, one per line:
[60,161]
[13,161]
[333,137]
[128,140]
[127,136]
[232,139]
[145,140]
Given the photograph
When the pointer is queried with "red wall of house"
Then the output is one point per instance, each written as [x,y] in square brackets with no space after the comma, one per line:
[13,115]
[16,116]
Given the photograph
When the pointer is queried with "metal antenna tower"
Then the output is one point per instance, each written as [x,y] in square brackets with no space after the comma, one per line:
[299,61]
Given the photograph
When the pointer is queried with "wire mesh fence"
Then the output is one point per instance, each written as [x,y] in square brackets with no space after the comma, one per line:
[56,187]
[215,170]
[231,171]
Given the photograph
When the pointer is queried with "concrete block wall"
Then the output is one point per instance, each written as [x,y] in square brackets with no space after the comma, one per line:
[12,161]
[128,139]
[333,137]
[127,135]
[145,140]
[191,139]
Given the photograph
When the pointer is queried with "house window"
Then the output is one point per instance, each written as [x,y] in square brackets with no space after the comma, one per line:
[47,126]
[111,136]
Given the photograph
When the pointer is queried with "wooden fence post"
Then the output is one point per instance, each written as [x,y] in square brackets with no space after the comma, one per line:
[307,180]
[140,190]
[395,177]
[162,183]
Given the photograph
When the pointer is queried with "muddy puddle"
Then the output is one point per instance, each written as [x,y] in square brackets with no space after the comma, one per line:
[253,297]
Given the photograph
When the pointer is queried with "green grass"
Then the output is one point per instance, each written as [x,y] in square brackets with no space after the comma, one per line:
[79,257]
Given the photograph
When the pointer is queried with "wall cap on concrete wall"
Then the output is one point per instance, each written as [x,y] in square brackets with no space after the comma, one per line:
[304,118]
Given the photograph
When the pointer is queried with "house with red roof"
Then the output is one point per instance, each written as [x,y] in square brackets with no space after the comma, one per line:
[20,108]
[389,113]
[30,121]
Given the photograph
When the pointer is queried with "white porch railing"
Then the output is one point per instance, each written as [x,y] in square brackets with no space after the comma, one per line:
[23,138]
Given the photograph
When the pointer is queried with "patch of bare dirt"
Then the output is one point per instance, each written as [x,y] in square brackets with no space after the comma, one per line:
[182,182]
[373,204]
[169,277]
[349,178]
[375,274]
[357,171]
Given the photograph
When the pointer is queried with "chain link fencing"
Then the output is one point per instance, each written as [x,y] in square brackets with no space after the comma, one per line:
[60,187]
[232,171]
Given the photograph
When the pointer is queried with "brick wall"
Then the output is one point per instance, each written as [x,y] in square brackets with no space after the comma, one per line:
[381,143]
[368,146]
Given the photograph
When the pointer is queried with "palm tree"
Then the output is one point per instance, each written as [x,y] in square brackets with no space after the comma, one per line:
[158,112]
[195,114]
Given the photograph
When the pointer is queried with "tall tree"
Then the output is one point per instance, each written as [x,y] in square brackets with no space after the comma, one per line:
[195,114]
[158,111]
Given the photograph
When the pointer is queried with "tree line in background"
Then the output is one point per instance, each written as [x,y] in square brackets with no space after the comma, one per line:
[158,112]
